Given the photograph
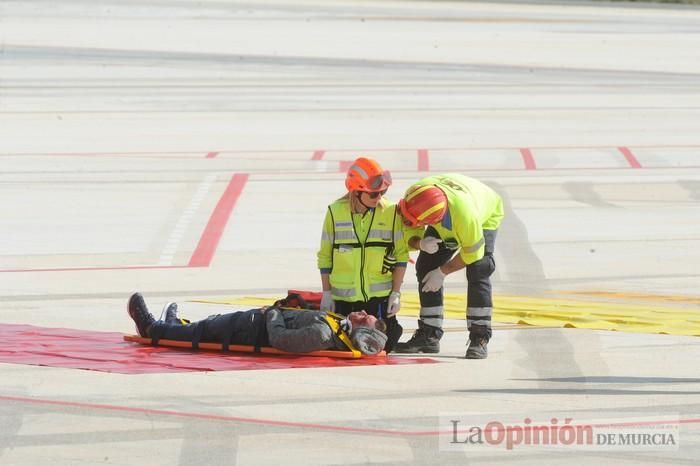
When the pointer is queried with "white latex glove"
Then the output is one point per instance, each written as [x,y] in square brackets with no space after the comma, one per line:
[327,303]
[433,280]
[430,244]
[394,303]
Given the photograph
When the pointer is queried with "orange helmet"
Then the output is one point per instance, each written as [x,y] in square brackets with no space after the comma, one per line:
[423,205]
[366,174]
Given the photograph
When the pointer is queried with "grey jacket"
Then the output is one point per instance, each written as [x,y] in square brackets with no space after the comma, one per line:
[300,331]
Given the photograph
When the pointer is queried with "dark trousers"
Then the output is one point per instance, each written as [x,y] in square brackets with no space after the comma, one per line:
[235,328]
[478,279]
[378,307]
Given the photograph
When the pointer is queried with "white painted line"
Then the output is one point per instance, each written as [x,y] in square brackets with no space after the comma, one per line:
[171,245]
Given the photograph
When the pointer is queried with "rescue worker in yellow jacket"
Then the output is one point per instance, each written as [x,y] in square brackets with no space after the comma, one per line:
[462,216]
[363,253]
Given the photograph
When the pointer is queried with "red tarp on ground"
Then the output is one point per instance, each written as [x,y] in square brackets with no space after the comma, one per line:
[107,352]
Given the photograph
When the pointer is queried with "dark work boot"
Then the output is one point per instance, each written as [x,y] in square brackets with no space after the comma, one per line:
[169,313]
[139,314]
[478,346]
[424,340]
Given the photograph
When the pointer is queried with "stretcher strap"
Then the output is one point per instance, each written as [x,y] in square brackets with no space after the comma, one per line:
[259,323]
[334,323]
[228,333]
[198,331]
[155,332]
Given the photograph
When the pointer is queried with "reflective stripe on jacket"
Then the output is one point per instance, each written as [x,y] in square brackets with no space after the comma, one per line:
[354,251]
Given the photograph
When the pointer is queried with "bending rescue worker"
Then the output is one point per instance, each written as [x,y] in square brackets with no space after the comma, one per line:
[462,216]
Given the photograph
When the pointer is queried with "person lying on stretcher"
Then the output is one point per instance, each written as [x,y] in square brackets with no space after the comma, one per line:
[293,331]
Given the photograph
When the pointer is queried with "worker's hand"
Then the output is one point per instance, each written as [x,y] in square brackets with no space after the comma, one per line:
[394,303]
[430,244]
[433,280]
[327,303]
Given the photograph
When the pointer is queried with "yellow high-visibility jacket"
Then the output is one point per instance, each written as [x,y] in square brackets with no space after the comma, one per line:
[472,208]
[353,247]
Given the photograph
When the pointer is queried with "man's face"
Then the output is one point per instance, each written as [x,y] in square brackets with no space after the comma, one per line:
[362,319]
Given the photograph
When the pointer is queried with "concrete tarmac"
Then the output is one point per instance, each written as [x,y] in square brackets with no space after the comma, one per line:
[188,150]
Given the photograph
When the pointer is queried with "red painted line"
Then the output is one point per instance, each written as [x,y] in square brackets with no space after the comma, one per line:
[213,417]
[273,422]
[629,156]
[423,160]
[209,241]
[361,149]
[211,155]
[80,269]
[344,165]
[528,159]
[318,155]
[206,247]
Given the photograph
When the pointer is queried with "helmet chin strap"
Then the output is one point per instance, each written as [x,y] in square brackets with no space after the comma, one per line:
[358,196]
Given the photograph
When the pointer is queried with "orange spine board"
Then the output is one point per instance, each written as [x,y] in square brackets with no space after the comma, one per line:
[248,349]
